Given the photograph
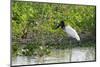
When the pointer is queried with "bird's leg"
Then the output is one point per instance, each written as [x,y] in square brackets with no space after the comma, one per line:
[78,43]
[70,50]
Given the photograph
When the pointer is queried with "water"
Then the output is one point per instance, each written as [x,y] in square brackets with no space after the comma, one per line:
[57,56]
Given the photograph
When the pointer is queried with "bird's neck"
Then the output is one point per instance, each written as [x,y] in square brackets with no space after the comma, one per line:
[63,26]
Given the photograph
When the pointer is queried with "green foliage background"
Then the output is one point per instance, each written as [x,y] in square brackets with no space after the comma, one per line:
[37,22]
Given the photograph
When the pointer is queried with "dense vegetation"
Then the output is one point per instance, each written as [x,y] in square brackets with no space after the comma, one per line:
[33,26]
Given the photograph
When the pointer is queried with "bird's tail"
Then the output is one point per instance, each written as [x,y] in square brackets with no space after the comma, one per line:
[78,38]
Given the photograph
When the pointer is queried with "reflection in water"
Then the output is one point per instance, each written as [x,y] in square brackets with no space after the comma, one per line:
[56,56]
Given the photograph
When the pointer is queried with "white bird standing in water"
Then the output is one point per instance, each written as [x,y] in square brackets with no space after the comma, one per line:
[69,30]
[71,33]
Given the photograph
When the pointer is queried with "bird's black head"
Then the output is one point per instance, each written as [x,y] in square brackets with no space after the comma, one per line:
[62,25]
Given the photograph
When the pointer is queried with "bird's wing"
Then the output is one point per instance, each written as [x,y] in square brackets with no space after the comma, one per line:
[72,32]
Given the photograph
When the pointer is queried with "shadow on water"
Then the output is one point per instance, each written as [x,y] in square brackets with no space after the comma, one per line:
[58,55]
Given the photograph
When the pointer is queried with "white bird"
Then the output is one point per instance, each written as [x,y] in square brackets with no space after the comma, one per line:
[69,30]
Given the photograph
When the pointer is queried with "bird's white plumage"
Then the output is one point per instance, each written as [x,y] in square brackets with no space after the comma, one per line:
[71,32]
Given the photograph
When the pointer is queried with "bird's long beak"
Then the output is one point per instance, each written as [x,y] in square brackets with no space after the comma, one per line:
[56,25]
